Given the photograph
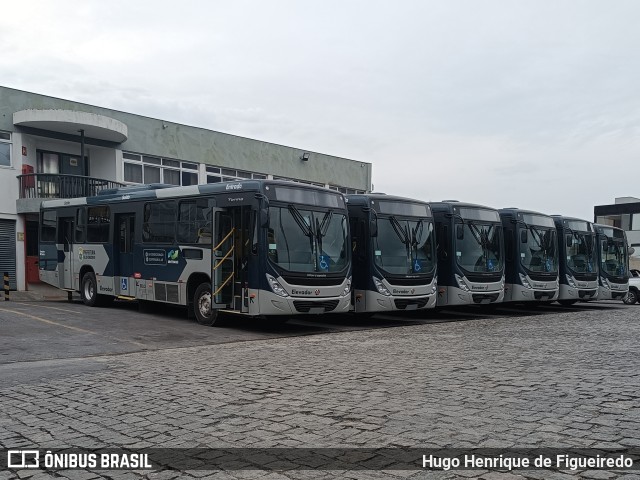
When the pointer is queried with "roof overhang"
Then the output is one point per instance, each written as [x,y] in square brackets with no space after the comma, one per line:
[71,122]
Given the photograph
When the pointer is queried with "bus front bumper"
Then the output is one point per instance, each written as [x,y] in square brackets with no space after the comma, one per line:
[369,301]
[271,304]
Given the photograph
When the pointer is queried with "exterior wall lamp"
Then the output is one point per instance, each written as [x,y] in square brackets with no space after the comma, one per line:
[305,156]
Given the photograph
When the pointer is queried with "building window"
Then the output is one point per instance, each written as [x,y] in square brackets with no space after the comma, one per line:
[218,174]
[148,169]
[5,149]
[635,221]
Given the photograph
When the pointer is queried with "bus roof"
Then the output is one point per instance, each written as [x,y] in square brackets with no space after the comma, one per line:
[364,198]
[449,205]
[515,211]
[161,191]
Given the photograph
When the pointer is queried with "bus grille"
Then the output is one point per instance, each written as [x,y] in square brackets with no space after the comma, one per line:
[160,290]
[303,306]
[586,293]
[172,293]
[540,295]
[403,303]
[483,297]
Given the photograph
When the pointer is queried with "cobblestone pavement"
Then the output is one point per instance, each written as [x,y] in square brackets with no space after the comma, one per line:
[561,380]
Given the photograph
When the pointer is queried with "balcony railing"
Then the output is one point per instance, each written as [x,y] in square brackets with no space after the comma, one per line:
[49,185]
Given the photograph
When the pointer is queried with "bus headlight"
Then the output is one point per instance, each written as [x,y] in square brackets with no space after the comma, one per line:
[381,288]
[347,289]
[605,283]
[434,287]
[276,287]
[462,284]
[524,281]
[571,282]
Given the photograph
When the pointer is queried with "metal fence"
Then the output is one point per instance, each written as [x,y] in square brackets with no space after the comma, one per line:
[48,185]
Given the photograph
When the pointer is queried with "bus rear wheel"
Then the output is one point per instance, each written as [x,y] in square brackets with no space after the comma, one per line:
[202,303]
[89,289]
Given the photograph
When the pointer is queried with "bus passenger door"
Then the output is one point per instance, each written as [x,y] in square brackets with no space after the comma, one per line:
[222,259]
[65,238]
[123,263]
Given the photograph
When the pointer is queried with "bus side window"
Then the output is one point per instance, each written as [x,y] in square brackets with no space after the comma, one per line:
[81,225]
[159,222]
[194,222]
[48,226]
[98,220]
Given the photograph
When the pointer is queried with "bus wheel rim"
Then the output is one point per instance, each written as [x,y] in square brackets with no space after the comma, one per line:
[88,290]
[204,304]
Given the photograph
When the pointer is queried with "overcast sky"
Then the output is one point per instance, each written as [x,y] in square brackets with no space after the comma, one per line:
[532,104]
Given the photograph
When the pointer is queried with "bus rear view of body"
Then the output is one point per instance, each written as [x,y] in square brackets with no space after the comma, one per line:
[256,247]
[470,254]
[394,257]
[531,256]
[578,260]
[613,258]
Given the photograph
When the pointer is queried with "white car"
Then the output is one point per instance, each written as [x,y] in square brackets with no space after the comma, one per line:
[634,287]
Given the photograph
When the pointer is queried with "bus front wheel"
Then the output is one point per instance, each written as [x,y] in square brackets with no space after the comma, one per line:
[205,315]
[631,297]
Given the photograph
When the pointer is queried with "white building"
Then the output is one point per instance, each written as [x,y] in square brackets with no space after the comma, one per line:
[55,148]
[624,214]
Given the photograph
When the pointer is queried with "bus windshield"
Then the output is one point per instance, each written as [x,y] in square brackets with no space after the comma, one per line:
[613,255]
[301,240]
[405,246]
[580,252]
[540,253]
[479,249]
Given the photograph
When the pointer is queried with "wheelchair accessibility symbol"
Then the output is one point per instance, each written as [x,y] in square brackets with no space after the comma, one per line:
[324,264]
[416,266]
[124,284]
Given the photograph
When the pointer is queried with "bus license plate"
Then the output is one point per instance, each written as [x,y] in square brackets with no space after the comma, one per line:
[316,310]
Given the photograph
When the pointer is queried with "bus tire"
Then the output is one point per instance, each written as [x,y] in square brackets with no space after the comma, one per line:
[631,297]
[567,303]
[89,289]
[205,315]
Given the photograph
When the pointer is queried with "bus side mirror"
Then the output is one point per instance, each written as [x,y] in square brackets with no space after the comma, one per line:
[604,245]
[524,237]
[373,227]
[264,217]
[631,251]
[569,241]
[459,232]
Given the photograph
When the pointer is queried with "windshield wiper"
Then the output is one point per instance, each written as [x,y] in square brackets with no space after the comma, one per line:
[415,233]
[299,219]
[400,232]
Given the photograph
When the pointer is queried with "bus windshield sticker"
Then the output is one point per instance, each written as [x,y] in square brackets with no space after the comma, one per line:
[324,264]
[272,246]
[154,257]
[378,253]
